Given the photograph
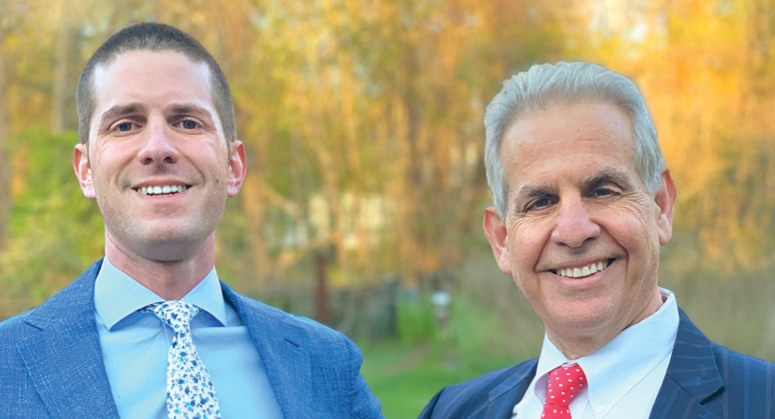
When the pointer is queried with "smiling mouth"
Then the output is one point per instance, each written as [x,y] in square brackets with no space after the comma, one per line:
[161,190]
[585,270]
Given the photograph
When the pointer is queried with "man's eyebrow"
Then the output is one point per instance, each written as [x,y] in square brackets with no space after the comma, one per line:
[187,108]
[534,191]
[119,111]
[608,175]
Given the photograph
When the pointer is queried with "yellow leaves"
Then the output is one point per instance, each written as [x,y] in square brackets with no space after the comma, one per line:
[708,81]
[18,162]
[345,103]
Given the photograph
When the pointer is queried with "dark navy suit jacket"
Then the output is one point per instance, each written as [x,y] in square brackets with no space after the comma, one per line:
[703,380]
[51,363]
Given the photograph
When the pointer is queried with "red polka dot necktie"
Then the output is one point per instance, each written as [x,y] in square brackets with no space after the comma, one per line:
[564,383]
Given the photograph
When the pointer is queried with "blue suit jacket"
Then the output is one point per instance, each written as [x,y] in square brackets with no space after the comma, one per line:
[703,380]
[51,362]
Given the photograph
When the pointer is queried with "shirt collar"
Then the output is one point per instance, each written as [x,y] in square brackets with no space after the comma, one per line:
[617,367]
[117,295]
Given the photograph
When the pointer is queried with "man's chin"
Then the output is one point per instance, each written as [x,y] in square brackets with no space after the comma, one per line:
[582,320]
[165,246]
[170,249]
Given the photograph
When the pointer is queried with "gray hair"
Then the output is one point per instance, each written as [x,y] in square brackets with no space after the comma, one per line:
[567,83]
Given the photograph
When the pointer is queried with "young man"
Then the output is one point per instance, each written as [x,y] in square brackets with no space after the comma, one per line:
[150,331]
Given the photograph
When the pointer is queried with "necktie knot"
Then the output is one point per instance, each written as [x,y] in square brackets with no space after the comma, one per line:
[175,314]
[563,385]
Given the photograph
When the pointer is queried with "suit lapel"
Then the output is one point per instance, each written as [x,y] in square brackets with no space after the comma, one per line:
[284,354]
[692,376]
[64,358]
[507,394]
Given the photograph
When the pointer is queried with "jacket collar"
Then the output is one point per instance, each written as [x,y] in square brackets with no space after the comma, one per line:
[692,376]
[501,399]
[64,358]
[284,348]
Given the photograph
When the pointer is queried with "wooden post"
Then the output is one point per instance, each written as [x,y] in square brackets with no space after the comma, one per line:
[321,288]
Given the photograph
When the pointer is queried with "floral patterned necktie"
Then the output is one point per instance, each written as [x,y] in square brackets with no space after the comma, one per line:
[190,391]
[564,383]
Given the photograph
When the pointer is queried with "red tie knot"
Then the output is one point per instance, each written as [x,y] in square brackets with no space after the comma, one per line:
[564,383]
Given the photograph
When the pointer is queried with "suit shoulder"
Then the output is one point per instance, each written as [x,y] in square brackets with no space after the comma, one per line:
[462,399]
[320,333]
[14,328]
[80,290]
[747,385]
[735,362]
[12,331]
[467,398]
[486,382]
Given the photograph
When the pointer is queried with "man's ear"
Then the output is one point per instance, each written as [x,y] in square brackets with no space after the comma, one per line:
[664,200]
[238,168]
[83,170]
[495,230]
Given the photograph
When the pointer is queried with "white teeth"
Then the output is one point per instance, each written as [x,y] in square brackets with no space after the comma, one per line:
[158,190]
[584,271]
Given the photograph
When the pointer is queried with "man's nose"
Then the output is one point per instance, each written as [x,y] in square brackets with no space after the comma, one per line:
[574,224]
[159,146]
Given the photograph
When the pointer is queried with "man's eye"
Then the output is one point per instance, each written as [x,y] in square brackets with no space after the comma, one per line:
[189,124]
[603,192]
[538,204]
[124,126]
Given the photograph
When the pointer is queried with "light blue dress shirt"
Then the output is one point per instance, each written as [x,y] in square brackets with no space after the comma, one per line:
[135,347]
[623,377]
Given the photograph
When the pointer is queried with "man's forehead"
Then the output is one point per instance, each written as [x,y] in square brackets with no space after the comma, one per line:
[585,121]
[567,142]
[144,75]
[146,62]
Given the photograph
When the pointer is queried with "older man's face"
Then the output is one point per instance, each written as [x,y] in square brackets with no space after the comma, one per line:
[582,234]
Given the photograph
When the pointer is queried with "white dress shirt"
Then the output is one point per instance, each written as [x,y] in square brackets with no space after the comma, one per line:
[623,377]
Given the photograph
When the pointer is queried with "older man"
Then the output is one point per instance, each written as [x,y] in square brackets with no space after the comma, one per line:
[150,331]
[582,204]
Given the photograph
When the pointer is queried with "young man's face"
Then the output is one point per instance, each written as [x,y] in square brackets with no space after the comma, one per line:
[582,234]
[158,163]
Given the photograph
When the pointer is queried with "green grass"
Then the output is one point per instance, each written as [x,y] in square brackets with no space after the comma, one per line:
[404,377]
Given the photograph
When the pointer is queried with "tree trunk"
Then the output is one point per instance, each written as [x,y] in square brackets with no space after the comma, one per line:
[59,96]
[321,288]
[5,171]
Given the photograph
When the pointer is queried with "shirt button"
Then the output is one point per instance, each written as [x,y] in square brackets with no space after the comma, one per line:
[600,409]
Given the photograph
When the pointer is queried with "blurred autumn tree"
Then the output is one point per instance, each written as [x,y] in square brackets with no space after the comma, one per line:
[362,121]
[707,71]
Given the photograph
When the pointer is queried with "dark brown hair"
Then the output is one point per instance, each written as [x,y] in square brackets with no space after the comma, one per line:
[153,37]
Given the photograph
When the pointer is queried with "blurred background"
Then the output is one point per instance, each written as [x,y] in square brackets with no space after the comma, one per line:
[364,198]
